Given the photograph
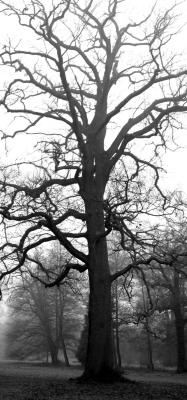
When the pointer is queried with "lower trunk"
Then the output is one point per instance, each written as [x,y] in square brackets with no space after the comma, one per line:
[118,349]
[54,358]
[118,354]
[149,347]
[181,361]
[100,363]
[114,347]
[100,355]
[150,352]
[179,324]
[53,353]
[66,359]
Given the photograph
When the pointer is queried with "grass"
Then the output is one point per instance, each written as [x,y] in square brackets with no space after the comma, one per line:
[19,381]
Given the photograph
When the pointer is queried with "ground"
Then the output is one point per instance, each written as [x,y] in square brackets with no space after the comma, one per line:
[24,381]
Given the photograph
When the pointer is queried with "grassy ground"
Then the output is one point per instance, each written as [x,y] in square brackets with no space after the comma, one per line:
[32,382]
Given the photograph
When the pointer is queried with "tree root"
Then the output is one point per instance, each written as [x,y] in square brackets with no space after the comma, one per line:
[105,376]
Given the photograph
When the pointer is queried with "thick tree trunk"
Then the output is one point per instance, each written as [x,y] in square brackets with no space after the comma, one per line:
[180,334]
[100,352]
[100,355]
[179,324]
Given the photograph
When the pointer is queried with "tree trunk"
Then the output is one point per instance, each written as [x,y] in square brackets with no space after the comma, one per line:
[118,354]
[53,352]
[66,359]
[100,353]
[180,334]
[100,356]
[179,324]
[149,346]
[54,356]
[114,347]
[60,329]
[150,363]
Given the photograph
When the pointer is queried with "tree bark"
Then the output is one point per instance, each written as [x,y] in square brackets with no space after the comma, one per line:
[180,334]
[100,355]
[118,354]
[60,329]
[100,361]
[54,356]
[65,354]
[53,350]
[179,324]
[149,346]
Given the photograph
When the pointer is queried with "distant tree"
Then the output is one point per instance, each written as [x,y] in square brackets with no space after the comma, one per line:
[173,298]
[42,320]
[116,323]
[167,284]
[36,321]
[143,305]
[91,85]
[145,315]
[83,342]
[25,339]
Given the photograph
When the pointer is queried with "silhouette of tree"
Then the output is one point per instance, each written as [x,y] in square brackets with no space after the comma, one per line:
[90,85]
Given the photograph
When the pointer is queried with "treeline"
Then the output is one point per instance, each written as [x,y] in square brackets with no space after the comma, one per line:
[149,308]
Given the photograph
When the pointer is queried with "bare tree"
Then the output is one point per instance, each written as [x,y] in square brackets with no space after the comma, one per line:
[36,322]
[43,322]
[91,86]
[170,282]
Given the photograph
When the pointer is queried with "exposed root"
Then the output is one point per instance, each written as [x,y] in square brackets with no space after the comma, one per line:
[106,376]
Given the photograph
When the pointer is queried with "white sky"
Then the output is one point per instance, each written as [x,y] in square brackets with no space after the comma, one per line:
[174,162]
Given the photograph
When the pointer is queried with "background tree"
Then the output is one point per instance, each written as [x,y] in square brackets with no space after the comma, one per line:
[82,347]
[165,292]
[66,88]
[170,281]
[151,303]
[43,322]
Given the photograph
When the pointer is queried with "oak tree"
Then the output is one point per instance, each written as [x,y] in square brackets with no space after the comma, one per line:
[91,84]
